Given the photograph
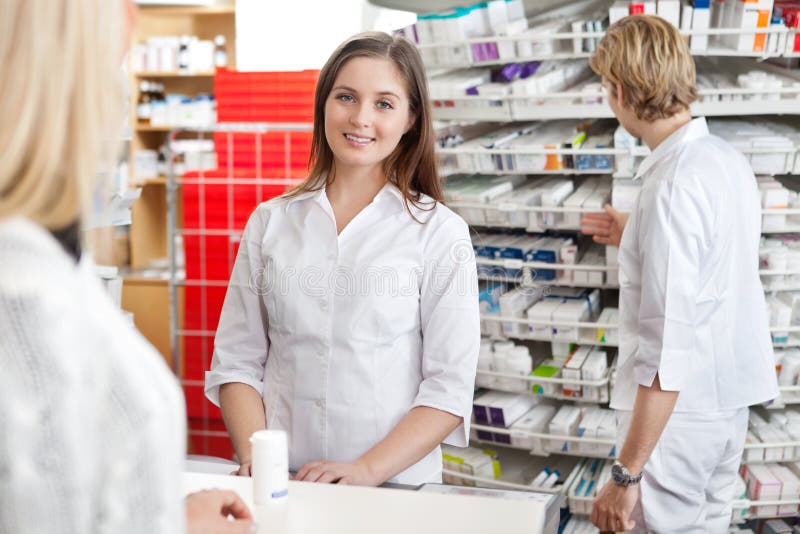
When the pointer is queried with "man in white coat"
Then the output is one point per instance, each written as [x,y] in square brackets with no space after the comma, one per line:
[695,349]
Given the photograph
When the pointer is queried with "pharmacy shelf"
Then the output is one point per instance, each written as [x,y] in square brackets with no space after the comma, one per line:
[788,229]
[529,283]
[513,464]
[150,128]
[544,380]
[553,38]
[451,170]
[578,441]
[601,385]
[512,263]
[563,106]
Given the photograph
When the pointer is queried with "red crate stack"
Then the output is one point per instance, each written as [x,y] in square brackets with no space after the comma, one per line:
[216,206]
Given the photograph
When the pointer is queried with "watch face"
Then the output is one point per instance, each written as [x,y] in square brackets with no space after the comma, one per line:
[618,474]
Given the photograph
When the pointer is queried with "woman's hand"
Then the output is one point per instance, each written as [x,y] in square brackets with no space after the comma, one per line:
[245,470]
[207,513]
[356,473]
[605,228]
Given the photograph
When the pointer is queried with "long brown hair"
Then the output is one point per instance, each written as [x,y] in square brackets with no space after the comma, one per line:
[412,164]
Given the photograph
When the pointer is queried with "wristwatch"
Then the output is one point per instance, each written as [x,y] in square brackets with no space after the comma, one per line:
[623,477]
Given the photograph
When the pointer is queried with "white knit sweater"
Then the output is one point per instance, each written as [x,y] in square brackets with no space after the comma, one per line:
[92,431]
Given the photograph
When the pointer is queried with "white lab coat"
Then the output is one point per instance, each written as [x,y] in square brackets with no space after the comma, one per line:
[344,334]
[692,307]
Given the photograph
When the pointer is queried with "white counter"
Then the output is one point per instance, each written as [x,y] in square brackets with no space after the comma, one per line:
[332,509]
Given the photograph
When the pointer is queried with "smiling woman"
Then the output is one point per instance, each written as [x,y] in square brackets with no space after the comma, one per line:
[393,100]
[367,377]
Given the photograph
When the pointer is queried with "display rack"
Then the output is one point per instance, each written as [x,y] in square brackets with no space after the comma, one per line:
[573,104]
[205,216]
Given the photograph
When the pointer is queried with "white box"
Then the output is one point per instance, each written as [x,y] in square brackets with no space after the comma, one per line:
[618,10]
[537,421]
[670,10]
[762,485]
[571,311]
[790,489]
[594,368]
[701,19]
[515,303]
[508,407]
[543,311]
[608,335]
[572,371]
[607,430]
[565,423]
[587,428]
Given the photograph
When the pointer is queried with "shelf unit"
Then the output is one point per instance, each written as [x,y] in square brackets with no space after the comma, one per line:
[148,296]
[569,104]
[148,231]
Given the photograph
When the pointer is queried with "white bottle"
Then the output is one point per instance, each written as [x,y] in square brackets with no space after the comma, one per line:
[552,479]
[270,457]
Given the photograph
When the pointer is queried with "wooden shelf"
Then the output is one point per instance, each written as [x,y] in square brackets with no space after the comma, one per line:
[148,128]
[153,74]
[159,10]
[159,180]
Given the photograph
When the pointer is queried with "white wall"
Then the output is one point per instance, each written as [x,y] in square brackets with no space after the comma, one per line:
[301,34]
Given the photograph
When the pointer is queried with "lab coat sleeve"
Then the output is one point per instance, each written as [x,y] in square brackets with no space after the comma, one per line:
[241,345]
[673,236]
[450,323]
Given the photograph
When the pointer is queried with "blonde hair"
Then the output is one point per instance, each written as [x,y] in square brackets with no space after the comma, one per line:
[61,104]
[650,60]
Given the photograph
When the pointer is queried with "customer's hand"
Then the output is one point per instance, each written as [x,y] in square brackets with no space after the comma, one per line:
[606,228]
[245,470]
[356,473]
[207,513]
[612,508]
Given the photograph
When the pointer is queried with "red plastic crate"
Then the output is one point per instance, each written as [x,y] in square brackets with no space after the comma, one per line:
[224,206]
[197,354]
[209,437]
[220,254]
[197,405]
[193,315]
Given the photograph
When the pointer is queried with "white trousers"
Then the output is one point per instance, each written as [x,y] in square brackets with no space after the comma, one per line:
[688,481]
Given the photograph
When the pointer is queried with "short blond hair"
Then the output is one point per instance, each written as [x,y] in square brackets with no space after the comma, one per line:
[61,104]
[647,56]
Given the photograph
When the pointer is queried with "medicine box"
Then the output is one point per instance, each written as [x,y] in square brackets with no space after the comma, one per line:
[763,485]
[572,371]
[506,408]
[790,490]
[537,421]
[546,369]
[542,312]
[594,368]
[564,423]
[609,335]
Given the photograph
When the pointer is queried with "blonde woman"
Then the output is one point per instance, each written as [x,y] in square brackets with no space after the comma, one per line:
[92,431]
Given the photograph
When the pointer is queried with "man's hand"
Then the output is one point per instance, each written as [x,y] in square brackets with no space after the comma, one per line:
[612,507]
[207,513]
[606,228]
[356,473]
